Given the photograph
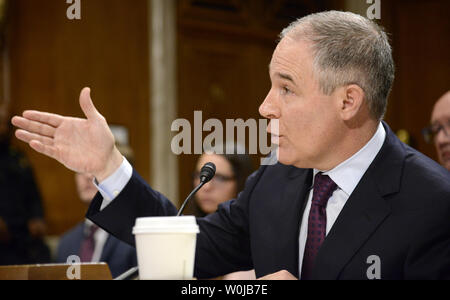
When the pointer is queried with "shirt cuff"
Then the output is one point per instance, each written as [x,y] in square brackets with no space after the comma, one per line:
[112,186]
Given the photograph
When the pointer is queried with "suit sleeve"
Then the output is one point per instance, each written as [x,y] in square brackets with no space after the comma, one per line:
[137,200]
[429,255]
[223,245]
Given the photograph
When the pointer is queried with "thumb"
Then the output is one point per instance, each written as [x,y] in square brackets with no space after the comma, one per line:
[87,105]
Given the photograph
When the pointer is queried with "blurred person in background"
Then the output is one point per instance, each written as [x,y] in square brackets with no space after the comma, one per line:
[232,170]
[90,243]
[22,225]
[439,130]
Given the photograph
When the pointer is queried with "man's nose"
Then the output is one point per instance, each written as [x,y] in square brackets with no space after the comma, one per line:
[269,108]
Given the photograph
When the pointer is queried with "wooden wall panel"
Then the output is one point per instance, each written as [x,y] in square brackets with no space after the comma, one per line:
[420,33]
[53,58]
[224,49]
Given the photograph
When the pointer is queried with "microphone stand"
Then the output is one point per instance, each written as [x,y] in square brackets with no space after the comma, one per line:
[180,212]
[133,274]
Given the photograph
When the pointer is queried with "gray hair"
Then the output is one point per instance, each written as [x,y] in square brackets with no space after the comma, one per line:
[349,49]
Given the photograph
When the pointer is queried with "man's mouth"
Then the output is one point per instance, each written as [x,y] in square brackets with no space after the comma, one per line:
[276,139]
[446,155]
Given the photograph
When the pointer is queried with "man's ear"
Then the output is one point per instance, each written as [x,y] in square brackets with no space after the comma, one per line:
[351,101]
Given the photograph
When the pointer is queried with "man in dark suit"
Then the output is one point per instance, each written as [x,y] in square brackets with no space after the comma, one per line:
[91,243]
[119,256]
[347,200]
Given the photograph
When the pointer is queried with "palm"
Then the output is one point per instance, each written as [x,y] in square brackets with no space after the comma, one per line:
[82,145]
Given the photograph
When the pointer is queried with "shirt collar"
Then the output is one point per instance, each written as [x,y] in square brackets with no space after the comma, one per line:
[348,174]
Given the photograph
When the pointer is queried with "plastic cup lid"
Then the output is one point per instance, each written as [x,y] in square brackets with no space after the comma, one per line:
[186,224]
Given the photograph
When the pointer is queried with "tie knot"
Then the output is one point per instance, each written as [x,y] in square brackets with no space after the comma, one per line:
[324,187]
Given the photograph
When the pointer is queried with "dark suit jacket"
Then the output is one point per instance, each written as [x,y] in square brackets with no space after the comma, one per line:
[119,256]
[400,212]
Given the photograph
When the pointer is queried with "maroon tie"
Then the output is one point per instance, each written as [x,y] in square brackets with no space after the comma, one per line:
[88,244]
[317,222]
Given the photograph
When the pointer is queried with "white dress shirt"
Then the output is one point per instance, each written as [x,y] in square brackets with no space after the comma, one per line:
[100,237]
[347,176]
[112,186]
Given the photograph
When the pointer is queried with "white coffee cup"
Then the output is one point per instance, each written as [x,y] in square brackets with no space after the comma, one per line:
[166,247]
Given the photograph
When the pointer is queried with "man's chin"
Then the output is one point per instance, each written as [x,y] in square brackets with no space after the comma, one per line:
[295,162]
[286,159]
[283,158]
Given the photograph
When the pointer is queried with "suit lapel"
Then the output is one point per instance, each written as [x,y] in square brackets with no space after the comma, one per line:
[364,211]
[296,194]
[275,219]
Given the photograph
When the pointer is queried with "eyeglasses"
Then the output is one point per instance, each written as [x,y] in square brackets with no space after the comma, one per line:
[218,179]
[430,133]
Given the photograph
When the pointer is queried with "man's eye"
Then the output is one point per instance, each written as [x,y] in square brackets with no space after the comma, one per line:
[285,90]
[436,129]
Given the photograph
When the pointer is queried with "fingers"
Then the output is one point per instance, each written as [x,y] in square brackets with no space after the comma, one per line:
[45,118]
[34,127]
[41,144]
[28,137]
[87,106]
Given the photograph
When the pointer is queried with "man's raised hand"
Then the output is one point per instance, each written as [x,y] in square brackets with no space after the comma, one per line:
[82,145]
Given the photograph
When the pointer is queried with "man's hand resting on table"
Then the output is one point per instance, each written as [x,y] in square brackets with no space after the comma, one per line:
[282,275]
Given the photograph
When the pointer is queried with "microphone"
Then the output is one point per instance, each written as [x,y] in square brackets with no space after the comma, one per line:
[206,174]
